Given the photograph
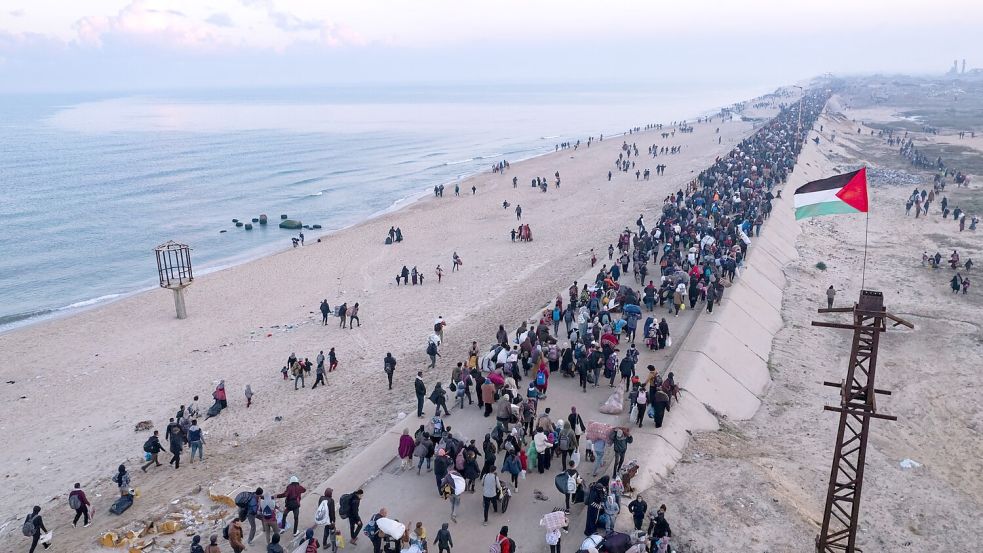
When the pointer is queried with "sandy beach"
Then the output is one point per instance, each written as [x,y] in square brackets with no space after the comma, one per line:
[78,385]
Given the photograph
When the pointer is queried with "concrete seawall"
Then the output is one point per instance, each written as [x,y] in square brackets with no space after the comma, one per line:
[722,363]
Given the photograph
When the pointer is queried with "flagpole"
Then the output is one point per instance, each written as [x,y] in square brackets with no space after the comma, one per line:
[863,274]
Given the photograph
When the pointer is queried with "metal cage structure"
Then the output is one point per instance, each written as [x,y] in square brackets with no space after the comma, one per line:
[175,272]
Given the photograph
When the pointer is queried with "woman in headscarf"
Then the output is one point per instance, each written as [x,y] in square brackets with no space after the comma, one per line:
[122,480]
[219,394]
[405,449]
[196,545]
[329,528]
[596,497]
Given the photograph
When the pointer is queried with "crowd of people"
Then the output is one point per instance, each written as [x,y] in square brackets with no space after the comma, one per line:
[921,199]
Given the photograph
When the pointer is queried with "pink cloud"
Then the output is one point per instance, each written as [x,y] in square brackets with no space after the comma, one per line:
[152,22]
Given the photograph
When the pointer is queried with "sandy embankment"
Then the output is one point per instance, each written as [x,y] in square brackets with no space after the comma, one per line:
[760,485]
[86,380]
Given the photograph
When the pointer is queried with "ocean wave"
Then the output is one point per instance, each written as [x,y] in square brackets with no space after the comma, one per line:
[459,162]
[318,193]
[490,156]
[93,301]
[306,181]
[549,137]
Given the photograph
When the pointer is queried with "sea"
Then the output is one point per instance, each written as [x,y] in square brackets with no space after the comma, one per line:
[91,183]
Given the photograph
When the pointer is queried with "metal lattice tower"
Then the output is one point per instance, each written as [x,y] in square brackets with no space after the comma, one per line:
[857,407]
[174,270]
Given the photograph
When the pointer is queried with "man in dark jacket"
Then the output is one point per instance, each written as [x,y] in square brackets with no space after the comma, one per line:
[389,365]
[441,465]
[638,508]
[325,310]
[619,442]
[176,439]
[354,519]
[660,403]
[154,448]
[421,393]
[35,519]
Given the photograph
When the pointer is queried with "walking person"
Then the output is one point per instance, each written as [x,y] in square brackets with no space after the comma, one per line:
[292,495]
[433,353]
[235,536]
[619,442]
[389,366]
[35,525]
[421,393]
[325,311]
[342,314]
[297,370]
[830,294]
[490,490]
[439,398]
[405,449]
[176,440]
[451,493]
[333,360]
[353,317]
[153,447]
[443,539]
[354,518]
[320,374]
[80,503]
[326,508]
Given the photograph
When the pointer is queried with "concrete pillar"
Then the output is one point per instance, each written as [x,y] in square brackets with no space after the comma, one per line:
[182,311]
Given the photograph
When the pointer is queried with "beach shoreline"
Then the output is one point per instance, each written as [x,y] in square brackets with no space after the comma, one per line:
[26,320]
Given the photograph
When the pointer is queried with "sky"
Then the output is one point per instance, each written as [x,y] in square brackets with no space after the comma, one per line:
[123,45]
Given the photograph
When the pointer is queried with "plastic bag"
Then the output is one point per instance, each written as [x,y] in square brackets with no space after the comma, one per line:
[614,404]
[340,539]
[522,474]
[668,341]
[575,458]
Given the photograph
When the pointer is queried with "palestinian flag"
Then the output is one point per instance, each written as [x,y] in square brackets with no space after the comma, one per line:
[845,193]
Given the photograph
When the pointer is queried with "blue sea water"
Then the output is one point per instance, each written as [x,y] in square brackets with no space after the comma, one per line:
[90,184]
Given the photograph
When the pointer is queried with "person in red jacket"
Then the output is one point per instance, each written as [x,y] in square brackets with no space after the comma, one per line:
[503,540]
[293,494]
[82,511]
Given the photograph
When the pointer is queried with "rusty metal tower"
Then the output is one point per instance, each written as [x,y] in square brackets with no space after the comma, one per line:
[857,407]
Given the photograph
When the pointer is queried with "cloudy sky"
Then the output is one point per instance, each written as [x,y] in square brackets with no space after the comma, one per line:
[111,45]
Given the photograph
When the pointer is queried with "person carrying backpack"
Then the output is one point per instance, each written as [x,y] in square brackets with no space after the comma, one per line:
[80,503]
[153,447]
[268,517]
[33,526]
[348,508]
[248,504]
[503,543]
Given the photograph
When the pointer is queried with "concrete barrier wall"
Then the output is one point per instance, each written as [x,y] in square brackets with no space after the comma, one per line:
[722,364]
